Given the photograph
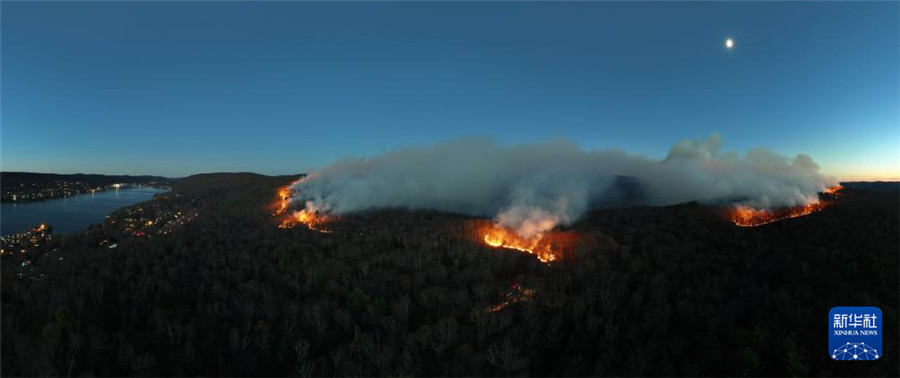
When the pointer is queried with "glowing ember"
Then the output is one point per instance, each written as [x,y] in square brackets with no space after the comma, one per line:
[546,247]
[746,216]
[516,293]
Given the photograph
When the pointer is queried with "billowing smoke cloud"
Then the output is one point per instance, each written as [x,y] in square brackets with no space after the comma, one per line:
[533,188]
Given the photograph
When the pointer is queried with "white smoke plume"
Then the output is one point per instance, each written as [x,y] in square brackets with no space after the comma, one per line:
[533,188]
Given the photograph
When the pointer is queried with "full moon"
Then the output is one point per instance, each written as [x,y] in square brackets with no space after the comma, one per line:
[729,43]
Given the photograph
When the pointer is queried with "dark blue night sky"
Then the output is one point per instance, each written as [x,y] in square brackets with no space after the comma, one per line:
[176,88]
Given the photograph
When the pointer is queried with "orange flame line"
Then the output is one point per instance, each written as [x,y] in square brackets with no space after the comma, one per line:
[834,190]
[545,247]
[745,216]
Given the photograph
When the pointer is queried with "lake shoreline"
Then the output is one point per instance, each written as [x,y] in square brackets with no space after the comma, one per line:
[26,200]
[72,214]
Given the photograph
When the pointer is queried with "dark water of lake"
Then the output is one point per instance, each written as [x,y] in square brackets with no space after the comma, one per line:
[70,215]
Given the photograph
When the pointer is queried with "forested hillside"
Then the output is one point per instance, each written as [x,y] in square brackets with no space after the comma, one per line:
[649,291]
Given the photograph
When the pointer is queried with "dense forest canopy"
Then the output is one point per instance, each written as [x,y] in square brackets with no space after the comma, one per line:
[673,290]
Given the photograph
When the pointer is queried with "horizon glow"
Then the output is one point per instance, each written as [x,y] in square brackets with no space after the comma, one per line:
[286,87]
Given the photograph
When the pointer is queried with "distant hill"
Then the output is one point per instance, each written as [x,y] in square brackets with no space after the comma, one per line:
[231,189]
[881,186]
[9,179]
[211,183]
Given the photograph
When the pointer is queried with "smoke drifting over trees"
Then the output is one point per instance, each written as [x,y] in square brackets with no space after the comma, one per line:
[533,188]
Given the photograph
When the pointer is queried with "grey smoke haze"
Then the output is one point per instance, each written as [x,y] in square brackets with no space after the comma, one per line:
[533,188]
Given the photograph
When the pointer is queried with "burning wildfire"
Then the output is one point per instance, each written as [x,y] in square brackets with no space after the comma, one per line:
[833,191]
[313,220]
[284,193]
[746,216]
[547,247]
